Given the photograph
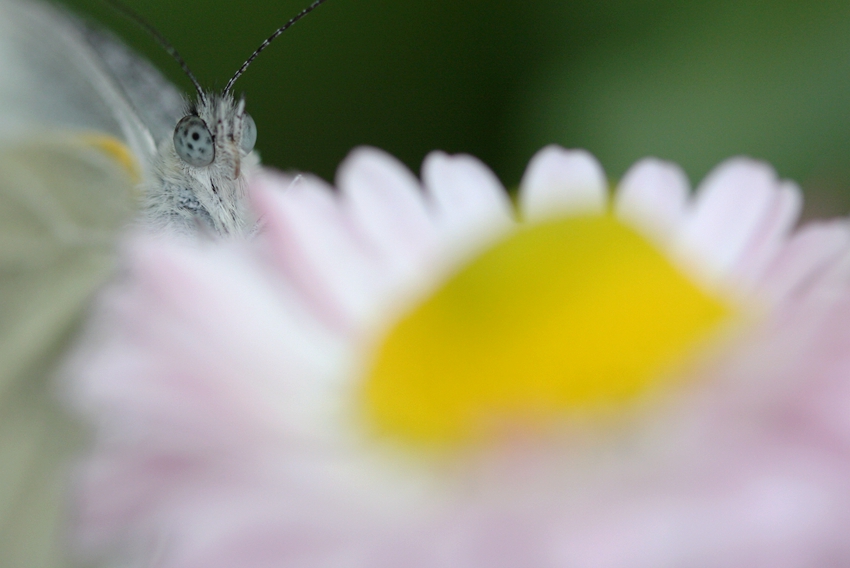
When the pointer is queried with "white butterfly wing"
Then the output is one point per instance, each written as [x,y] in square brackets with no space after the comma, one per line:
[155,101]
[63,200]
[54,255]
[59,72]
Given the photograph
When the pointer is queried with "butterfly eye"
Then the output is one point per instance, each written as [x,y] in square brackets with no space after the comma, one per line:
[249,133]
[193,142]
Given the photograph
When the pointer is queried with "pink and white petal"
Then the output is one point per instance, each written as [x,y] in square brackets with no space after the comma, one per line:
[559,181]
[809,252]
[387,206]
[815,390]
[653,196]
[280,506]
[318,250]
[785,381]
[783,512]
[770,237]
[194,323]
[313,512]
[471,206]
[730,206]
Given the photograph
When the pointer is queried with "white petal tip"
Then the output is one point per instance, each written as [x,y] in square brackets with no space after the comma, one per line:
[560,181]
[653,195]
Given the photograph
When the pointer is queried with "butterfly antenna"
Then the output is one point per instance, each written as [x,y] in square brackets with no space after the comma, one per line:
[271,38]
[141,22]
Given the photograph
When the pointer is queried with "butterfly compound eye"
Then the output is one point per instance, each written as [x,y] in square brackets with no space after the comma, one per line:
[249,133]
[193,142]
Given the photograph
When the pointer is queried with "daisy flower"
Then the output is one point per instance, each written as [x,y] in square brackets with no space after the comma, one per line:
[398,372]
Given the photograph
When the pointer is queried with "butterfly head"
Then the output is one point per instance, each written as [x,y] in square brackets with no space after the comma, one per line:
[216,126]
[201,172]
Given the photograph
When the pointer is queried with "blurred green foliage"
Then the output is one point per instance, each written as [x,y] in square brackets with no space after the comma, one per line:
[690,81]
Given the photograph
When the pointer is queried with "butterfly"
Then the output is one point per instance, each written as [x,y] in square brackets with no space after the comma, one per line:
[92,138]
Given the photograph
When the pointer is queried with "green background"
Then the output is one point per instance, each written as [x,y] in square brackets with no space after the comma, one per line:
[689,81]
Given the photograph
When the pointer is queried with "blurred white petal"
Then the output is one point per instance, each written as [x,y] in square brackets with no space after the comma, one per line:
[559,181]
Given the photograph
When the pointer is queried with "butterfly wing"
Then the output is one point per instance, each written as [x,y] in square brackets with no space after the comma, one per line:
[67,92]
[55,253]
[157,103]
[58,72]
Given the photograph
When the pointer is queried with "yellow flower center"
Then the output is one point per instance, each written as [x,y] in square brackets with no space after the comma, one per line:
[568,317]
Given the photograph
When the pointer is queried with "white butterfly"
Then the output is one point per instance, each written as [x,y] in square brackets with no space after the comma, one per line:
[91,138]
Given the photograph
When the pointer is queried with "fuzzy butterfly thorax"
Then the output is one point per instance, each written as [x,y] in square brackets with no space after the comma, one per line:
[186,189]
